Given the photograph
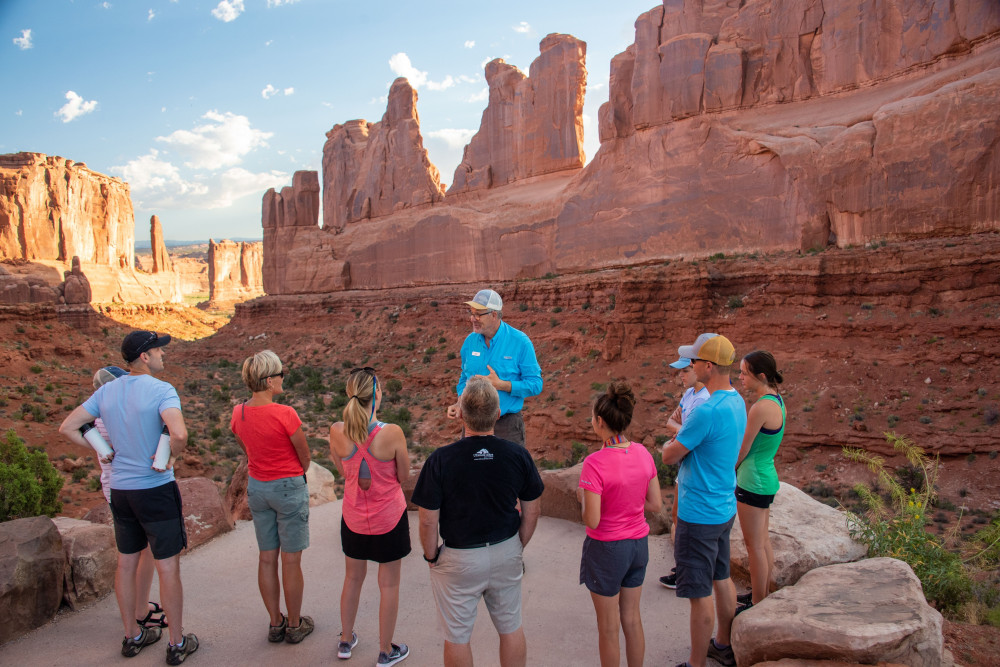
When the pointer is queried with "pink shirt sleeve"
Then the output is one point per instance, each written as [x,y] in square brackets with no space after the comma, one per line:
[590,477]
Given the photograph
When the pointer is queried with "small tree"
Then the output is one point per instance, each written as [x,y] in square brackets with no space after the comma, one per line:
[29,483]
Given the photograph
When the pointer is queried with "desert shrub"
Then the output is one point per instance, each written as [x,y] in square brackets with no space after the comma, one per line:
[29,484]
[666,473]
[897,529]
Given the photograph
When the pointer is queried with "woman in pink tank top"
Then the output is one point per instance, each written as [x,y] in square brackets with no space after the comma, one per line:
[372,457]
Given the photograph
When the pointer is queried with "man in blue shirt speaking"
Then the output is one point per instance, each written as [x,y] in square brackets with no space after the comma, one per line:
[503,356]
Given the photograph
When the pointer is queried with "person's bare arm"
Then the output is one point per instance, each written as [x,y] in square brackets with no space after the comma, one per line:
[674,421]
[654,499]
[240,443]
[429,532]
[301,446]
[591,509]
[174,420]
[673,452]
[337,442]
[70,428]
[756,418]
[530,511]
[400,453]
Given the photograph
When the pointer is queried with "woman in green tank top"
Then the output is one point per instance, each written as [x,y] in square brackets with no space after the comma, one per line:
[756,477]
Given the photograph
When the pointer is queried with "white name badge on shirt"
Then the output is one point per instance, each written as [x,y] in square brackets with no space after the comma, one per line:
[475,354]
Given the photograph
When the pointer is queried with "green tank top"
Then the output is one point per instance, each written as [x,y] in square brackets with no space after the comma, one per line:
[756,473]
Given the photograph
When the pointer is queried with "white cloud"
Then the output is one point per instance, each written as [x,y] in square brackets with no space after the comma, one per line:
[106,5]
[151,15]
[75,107]
[465,78]
[269,92]
[289,91]
[381,99]
[19,112]
[401,66]
[156,183]
[595,86]
[24,41]
[278,3]
[228,10]
[469,43]
[489,59]
[591,140]
[222,142]
[522,27]
[481,96]
[269,42]
[455,138]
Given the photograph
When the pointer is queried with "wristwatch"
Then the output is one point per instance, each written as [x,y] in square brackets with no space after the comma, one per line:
[437,554]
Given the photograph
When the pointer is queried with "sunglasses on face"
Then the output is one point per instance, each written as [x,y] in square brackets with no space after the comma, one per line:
[276,375]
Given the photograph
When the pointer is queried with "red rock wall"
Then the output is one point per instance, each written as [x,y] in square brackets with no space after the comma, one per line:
[161,258]
[234,271]
[533,125]
[768,126]
[372,170]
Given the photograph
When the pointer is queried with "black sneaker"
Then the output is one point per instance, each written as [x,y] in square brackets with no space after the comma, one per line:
[740,608]
[723,656]
[178,654]
[745,598]
[670,580]
[399,653]
[147,636]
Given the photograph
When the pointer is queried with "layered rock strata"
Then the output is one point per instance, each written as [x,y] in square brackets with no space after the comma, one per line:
[730,128]
[234,271]
[161,258]
[372,170]
[533,124]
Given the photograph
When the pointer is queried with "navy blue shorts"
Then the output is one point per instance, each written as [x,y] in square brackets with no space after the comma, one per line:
[701,552]
[607,567]
[149,516]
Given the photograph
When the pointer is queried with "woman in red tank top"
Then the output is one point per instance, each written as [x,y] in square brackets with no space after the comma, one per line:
[372,457]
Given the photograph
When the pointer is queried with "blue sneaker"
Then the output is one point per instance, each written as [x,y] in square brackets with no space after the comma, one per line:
[398,654]
[344,648]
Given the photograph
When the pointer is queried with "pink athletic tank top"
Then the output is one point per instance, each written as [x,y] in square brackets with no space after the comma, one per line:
[374,511]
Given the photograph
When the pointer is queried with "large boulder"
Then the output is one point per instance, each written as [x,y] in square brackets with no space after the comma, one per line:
[321,485]
[31,574]
[91,560]
[204,515]
[865,612]
[559,499]
[805,534]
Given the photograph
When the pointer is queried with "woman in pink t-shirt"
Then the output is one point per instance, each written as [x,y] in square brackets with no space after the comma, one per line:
[372,457]
[617,484]
[277,493]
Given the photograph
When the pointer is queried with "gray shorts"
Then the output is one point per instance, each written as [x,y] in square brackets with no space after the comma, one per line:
[701,552]
[462,576]
[280,511]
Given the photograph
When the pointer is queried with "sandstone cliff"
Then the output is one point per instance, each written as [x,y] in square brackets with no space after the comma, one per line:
[370,171]
[767,125]
[533,125]
[161,258]
[234,271]
[53,209]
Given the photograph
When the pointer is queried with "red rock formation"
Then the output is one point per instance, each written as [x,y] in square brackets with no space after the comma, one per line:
[161,258]
[897,140]
[370,171]
[234,271]
[533,125]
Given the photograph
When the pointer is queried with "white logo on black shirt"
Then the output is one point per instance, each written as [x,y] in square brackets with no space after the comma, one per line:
[482,455]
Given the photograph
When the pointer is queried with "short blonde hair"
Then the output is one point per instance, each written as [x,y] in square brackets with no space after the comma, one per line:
[258,368]
[480,405]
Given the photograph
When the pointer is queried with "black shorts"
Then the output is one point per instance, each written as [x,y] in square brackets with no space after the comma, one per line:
[753,499]
[149,516]
[608,567]
[383,548]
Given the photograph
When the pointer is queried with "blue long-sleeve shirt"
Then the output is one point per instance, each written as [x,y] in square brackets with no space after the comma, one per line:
[511,354]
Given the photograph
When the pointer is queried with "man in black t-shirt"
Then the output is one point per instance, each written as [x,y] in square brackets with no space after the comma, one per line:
[469,490]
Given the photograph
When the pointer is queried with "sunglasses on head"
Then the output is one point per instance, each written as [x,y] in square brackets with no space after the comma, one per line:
[366,369]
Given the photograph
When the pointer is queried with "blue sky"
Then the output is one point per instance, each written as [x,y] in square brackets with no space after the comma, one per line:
[202,106]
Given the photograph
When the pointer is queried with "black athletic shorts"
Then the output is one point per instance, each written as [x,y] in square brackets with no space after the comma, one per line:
[753,499]
[149,516]
[383,548]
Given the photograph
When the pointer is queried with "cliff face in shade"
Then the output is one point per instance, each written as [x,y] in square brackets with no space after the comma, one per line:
[768,125]
[52,209]
[532,125]
[161,258]
[372,170]
[234,271]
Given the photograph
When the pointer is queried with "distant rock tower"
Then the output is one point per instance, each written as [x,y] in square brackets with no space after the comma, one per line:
[161,258]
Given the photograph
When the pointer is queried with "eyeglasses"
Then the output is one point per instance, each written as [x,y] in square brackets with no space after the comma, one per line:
[480,316]
[277,375]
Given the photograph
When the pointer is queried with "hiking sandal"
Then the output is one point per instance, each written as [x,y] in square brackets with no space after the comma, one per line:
[151,621]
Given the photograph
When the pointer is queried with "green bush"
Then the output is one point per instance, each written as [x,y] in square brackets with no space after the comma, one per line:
[29,484]
[898,530]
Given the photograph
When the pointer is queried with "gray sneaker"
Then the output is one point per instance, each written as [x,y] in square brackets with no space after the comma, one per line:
[178,654]
[300,632]
[723,656]
[399,653]
[276,633]
[344,648]
[147,636]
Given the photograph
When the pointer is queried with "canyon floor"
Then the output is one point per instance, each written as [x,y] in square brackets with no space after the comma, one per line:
[910,346]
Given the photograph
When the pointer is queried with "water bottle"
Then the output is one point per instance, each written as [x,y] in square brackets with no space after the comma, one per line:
[96,440]
[162,450]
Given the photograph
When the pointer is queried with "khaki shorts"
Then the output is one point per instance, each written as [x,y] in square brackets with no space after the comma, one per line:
[462,576]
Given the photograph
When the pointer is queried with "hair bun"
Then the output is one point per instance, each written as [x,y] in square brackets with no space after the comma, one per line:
[619,389]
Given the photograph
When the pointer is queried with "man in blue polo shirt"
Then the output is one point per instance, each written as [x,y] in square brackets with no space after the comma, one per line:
[707,447]
[503,356]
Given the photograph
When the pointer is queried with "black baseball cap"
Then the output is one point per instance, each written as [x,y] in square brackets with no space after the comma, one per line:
[138,342]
